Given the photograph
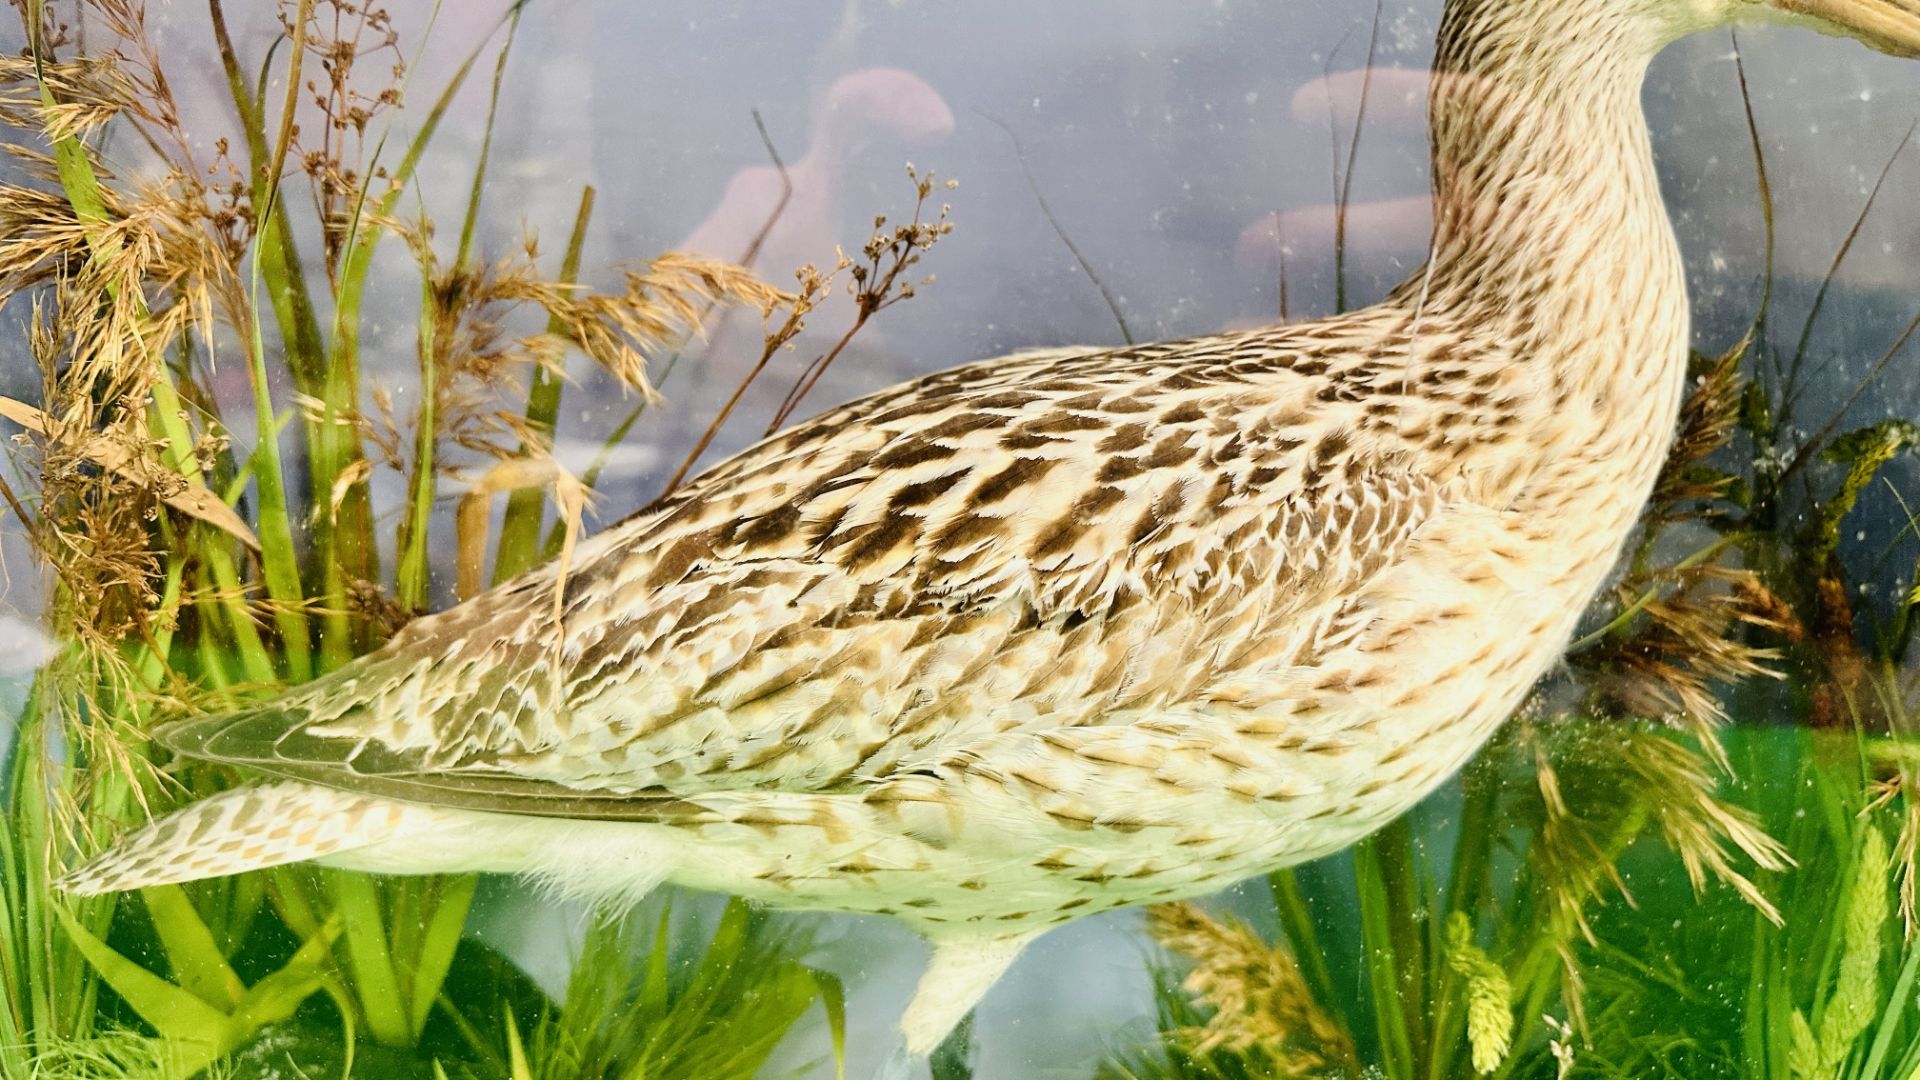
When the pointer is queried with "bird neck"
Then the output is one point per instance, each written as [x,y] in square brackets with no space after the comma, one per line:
[1551,241]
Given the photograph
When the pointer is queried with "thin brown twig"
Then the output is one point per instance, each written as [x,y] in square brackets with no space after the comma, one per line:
[1046,211]
[811,286]
[875,286]
[786,192]
[812,372]
[1344,195]
[1808,448]
[1765,184]
[19,511]
[1790,394]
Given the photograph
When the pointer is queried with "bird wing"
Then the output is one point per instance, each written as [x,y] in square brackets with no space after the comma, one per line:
[1029,544]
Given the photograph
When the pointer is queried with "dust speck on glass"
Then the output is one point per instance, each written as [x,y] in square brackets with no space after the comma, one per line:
[515,564]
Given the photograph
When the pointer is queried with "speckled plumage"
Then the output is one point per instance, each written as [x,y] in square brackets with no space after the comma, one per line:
[1069,630]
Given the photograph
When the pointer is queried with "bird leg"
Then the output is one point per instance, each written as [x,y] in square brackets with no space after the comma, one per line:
[960,972]
[958,975]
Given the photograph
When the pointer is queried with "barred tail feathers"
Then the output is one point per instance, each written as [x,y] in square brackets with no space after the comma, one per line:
[248,828]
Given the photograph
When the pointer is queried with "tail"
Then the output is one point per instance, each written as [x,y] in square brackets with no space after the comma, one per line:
[245,829]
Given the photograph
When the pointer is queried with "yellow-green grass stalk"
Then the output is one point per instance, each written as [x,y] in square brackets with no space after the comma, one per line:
[1394,960]
[411,576]
[344,545]
[520,549]
[279,563]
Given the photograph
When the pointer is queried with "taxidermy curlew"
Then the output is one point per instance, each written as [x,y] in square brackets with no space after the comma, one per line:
[1057,633]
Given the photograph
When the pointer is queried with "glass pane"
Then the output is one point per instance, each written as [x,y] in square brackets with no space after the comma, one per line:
[1423,584]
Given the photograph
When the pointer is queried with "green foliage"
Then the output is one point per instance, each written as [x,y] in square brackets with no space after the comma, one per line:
[204,1015]
[1864,452]
[117,1055]
[175,600]
[1663,979]
[715,1012]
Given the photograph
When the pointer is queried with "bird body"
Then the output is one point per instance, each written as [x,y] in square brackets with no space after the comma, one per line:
[1059,632]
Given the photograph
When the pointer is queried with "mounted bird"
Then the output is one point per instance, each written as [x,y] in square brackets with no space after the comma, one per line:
[1061,632]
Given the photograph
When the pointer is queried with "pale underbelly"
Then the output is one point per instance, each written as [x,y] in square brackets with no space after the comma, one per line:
[1054,837]
[1085,819]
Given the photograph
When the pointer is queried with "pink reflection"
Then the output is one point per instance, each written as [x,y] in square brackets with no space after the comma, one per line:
[1381,227]
[860,107]
[1397,228]
[1396,98]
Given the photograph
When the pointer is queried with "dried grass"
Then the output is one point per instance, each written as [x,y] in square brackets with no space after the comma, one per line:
[142,285]
[1260,1001]
[1685,627]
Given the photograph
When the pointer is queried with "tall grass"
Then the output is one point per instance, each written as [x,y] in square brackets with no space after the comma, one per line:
[203,554]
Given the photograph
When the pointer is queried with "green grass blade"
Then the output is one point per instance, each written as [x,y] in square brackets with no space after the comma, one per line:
[1400,872]
[516,1051]
[246,637]
[276,997]
[472,219]
[520,529]
[411,579]
[280,566]
[197,962]
[441,937]
[1378,935]
[1296,921]
[290,889]
[652,1000]
[1479,827]
[31,977]
[1763,1029]
[376,986]
[173,1011]
[833,1001]
[76,174]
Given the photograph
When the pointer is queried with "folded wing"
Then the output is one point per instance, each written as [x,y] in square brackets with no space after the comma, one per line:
[1018,546]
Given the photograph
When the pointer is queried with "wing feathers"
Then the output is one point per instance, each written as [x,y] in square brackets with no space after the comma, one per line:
[1002,549]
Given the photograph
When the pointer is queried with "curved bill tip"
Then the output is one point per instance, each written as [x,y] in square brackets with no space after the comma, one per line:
[1891,26]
